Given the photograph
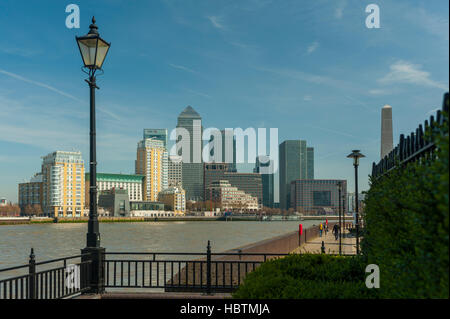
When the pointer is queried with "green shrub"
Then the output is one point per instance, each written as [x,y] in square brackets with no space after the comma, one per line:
[307,276]
[407,220]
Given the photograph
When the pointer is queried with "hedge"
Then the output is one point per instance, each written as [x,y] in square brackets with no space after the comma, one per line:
[407,220]
[307,276]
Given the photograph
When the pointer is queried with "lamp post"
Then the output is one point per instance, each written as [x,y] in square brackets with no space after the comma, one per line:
[93,50]
[356,155]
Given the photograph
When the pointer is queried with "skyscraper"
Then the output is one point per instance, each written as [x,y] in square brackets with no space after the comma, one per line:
[228,153]
[152,162]
[387,142]
[310,162]
[175,174]
[156,133]
[264,166]
[296,161]
[63,184]
[189,146]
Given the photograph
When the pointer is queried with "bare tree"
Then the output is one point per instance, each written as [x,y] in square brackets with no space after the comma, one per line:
[28,210]
[37,209]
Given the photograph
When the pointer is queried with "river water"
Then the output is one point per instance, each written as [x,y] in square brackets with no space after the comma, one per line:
[59,240]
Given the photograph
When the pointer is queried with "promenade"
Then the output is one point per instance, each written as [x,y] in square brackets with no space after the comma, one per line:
[331,244]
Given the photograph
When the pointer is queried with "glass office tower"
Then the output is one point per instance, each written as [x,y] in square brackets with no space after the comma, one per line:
[264,166]
[191,122]
[296,162]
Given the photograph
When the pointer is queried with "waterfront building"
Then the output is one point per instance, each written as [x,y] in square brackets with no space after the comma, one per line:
[190,122]
[387,142]
[159,134]
[250,183]
[115,202]
[30,193]
[265,166]
[152,163]
[296,161]
[63,184]
[175,171]
[230,197]
[313,196]
[174,199]
[149,209]
[106,181]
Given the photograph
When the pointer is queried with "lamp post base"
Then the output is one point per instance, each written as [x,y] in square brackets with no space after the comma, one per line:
[96,269]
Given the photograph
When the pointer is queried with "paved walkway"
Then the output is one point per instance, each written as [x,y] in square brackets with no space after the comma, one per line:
[331,244]
[154,295]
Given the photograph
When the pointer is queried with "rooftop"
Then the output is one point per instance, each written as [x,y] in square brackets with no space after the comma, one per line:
[117,177]
[189,112]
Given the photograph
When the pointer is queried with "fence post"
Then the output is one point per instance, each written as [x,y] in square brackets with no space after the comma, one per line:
[95,271]
[32,276]
[208,269]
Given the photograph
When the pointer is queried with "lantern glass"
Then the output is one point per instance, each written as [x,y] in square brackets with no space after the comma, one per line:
[102,50]
[88,48]
[93,50]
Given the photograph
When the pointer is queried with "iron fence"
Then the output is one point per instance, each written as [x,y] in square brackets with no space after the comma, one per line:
[60,279]
[415,146]
[182,272]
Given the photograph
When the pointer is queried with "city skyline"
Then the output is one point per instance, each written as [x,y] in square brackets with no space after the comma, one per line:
[261,81]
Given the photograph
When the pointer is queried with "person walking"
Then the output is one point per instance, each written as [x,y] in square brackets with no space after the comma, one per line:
[336,231]
[320,229]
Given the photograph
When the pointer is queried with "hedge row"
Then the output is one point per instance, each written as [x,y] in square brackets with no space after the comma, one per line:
[307,276]
[407,221]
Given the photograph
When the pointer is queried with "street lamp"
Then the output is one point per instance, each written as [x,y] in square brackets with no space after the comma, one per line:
[356,155]
[93,50]
[340,224]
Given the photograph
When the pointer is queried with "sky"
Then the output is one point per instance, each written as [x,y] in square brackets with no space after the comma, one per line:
[310,68]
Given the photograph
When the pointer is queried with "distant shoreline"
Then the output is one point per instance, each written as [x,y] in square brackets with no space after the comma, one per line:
[31,221]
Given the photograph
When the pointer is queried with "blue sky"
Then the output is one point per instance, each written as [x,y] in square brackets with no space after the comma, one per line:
[309,68]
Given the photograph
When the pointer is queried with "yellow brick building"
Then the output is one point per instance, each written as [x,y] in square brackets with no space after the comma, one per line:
[174,199]
[63,184]
[152,161]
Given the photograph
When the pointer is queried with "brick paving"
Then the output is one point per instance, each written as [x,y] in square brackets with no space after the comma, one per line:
[331,244]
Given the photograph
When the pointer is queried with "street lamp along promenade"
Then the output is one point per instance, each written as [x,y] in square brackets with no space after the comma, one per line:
[356,155]
[93,50]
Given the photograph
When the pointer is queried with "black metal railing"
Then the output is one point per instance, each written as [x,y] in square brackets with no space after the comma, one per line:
[59,279]
[205,272]
[415,146]
[194,272]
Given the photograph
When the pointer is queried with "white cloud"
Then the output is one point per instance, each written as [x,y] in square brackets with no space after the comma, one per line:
[434,24]
[180,67]
[216,22]
[198,93]
[51,88]
[339,11]
[313,47]
[378,92]
[405,72]
[25,53]
[307,98]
